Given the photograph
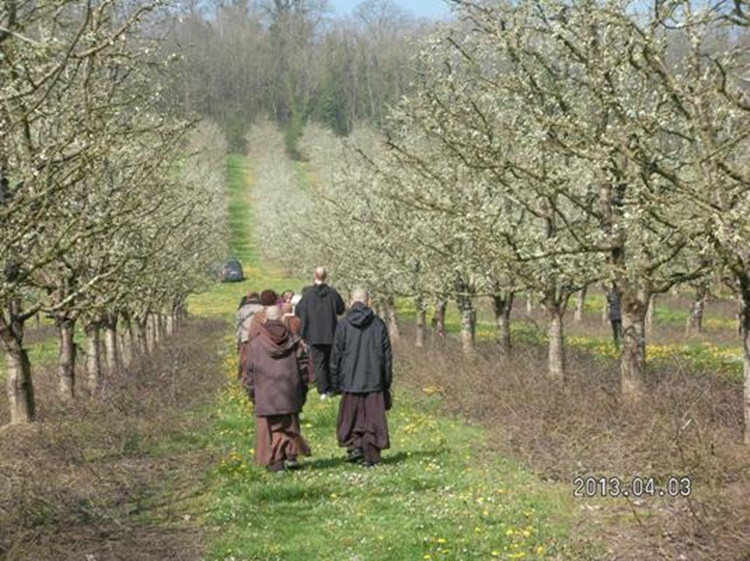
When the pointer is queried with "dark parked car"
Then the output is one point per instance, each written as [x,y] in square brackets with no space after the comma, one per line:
[231,271]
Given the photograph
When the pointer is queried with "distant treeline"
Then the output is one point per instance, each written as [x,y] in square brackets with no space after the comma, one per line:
[292,60]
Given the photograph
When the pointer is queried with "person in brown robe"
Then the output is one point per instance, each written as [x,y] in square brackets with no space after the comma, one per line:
[362,371]
[276,381]
[290,320]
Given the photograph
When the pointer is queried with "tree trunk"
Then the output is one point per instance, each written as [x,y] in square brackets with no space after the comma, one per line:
[150,334]
[111,348]
[468,320]
[556,350]
[421,320]
[390,313]
[633,357]
[19,384]
[695,314]
[502,305]
[140,346]
[438,320]
[170,325]
[94,357]
[580,301]
[743,317]
[529,305]
[20,388]
[66,358]
[650,311]
[746,371]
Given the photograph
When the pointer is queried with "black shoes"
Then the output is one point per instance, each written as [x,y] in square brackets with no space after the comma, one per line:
[354,455]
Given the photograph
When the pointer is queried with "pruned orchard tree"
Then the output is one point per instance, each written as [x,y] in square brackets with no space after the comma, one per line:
[85,157]
[53,130]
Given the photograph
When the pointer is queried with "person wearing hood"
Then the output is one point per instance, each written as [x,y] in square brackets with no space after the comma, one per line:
[250,306]
[276,381]
[362,371]
[318,311]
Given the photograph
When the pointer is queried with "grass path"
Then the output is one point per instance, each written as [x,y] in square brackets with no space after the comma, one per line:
[437,495]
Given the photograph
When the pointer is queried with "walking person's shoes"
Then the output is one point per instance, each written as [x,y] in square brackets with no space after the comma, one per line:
[276,467]
[291,464]
[354,454]
[368,464]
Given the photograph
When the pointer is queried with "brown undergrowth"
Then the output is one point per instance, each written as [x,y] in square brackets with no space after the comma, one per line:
[686,425]
[119,478]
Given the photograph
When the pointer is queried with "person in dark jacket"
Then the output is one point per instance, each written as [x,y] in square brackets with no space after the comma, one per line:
[276,382]
[362,371]
[318,310]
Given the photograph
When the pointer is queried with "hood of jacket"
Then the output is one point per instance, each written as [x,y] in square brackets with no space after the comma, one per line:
[322,290]
[360,316]
[276,338]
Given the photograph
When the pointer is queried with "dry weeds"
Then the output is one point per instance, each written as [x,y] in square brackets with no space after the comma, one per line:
[688,424]
[115,478]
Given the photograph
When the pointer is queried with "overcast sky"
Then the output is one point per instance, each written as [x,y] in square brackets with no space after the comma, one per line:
[432,9]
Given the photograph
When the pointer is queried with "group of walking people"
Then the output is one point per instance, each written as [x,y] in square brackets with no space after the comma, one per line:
[289,342]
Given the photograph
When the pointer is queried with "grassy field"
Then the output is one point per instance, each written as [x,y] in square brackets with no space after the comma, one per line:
[437,495]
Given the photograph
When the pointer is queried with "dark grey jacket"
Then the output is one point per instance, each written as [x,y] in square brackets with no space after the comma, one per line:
[318,311]
[361,358]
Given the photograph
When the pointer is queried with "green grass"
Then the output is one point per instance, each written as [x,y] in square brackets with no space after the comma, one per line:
[438,494]
[222,298]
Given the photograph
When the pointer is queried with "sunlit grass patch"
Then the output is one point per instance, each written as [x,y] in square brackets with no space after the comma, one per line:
[437,495]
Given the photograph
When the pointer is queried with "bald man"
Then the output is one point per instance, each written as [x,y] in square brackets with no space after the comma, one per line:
[362,371]
[318,310]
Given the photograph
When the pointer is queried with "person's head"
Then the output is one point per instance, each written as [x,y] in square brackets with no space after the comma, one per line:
[273,313]
[359,295]
[268,298]
[320,275]
[252,297]
[287,295]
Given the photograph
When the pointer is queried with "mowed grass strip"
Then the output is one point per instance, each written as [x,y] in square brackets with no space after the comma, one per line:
[437,494]
[222,299]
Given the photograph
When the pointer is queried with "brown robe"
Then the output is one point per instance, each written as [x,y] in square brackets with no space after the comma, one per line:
[276,381]
[362,424]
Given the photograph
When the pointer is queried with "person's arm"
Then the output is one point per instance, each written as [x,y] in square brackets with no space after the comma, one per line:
[248,376]
[387,358]
[340,307]
[304,364]
[337,354]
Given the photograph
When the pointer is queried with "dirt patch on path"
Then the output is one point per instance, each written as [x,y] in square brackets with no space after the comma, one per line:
[122,477]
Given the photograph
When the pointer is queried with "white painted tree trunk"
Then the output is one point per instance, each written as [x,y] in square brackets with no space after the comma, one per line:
[111,348]
[390,313]
[170,325]
[650,311]
[20,389]
[421,320]
[66,359]
[556,350]
[94,358]
[468,319]
[19,384]
[150,334]
[438,320]
[633,357]
[580,302]
[744,319]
